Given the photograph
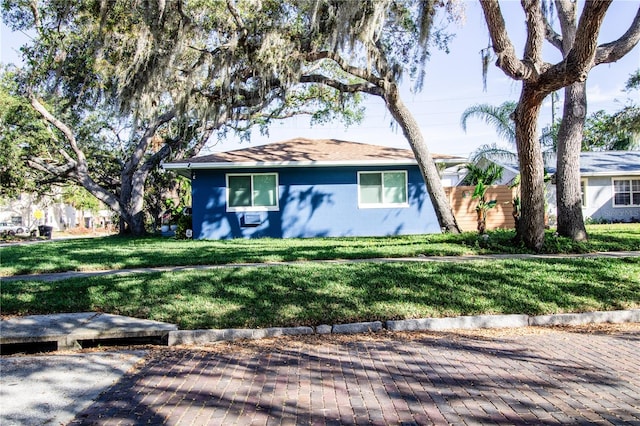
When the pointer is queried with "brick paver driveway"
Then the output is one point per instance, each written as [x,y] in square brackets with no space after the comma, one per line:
[528,376]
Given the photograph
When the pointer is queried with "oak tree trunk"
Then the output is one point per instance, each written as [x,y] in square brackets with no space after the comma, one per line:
[531,224]
[132,202]
[568,194]
[540,79]
[427,166]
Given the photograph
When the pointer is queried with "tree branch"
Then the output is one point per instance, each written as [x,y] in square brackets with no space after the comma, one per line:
[507,61]
[344,65]
[33,4]
[141,147]
[66,130]
[611,52]
[195,150]
[567,15]
[535,36]
[236,16]
[37,163]
[580,59]
[342,87]
[552,36]
[80,169]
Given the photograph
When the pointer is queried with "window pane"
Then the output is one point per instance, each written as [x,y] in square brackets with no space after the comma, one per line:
[371,188]
[635,184]
[621,186]
[239,191]
[583,193]
[622,199]
[264,190]
[636,198]
[395,190]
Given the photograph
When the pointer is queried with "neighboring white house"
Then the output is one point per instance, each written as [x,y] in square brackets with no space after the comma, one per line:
[610,182]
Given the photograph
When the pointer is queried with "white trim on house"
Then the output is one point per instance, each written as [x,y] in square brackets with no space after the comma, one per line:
[612,174]
[584,189]
[382,205]
[630,178]
[264,164]
[253,208]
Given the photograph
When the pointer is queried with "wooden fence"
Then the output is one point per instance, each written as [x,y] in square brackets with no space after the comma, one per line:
[464,207]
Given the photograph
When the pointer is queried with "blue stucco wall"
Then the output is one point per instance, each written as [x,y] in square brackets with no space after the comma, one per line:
[314,202]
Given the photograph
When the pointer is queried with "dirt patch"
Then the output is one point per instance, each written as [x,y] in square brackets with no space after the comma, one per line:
[300,341]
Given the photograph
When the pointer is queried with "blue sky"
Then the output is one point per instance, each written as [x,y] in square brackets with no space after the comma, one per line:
[453,83]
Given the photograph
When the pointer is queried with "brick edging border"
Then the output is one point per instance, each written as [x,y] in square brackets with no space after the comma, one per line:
[194,337]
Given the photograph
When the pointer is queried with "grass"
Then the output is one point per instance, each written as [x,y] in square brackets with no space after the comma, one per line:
[321,293]
[312,294]
[119,252]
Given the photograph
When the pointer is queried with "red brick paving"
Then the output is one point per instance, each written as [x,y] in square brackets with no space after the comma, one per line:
[536,377]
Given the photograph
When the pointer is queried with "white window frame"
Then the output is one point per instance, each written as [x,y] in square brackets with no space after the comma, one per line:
[584,184]
[383,204]
[631,191]
[253,208]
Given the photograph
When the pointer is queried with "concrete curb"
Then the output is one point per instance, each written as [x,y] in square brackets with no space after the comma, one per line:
[191,337]
[613,317]
[464,322]
[358,327]
[194,337]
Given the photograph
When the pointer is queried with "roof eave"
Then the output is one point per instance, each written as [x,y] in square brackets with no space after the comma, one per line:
[611,173]
[281,164]
[275,164]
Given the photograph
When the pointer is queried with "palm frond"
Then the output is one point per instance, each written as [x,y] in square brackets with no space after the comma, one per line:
[499,117]
[494,153]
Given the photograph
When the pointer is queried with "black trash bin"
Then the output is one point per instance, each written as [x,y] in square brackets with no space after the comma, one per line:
[45,231]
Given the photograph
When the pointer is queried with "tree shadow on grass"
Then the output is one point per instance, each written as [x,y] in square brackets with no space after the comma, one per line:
[294,295]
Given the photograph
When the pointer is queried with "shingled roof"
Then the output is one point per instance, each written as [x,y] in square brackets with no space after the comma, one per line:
[306,152]
[610,163]
[598,163]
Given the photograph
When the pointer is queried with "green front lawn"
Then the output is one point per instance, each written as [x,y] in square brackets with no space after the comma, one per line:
[312,294]
[119,252]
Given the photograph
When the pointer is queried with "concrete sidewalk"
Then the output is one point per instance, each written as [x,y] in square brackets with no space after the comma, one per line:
[69,330]
[52,389]
[58,276]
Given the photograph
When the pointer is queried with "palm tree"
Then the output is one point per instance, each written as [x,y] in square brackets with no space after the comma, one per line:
[497,116]
[489,175]
[482,178]
[500,117]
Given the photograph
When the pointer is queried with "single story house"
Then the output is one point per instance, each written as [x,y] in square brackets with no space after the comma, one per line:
[309,188]
[610,183]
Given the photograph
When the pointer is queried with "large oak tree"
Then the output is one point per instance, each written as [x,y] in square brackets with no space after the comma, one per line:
[570,134]
[124,86]
[539,78]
